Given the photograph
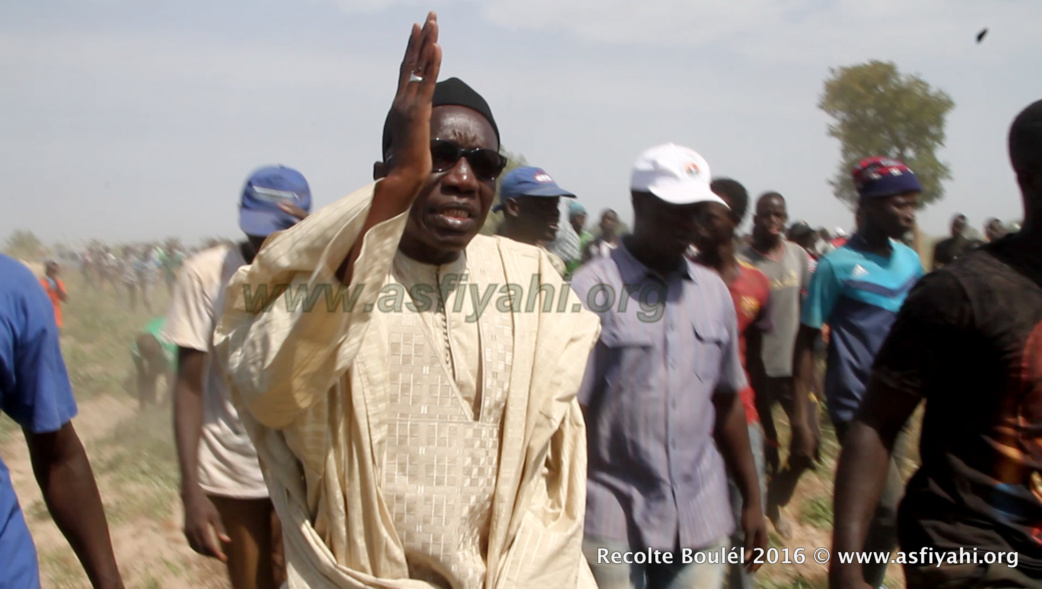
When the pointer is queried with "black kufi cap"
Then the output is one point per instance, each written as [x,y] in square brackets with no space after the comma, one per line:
[454,92]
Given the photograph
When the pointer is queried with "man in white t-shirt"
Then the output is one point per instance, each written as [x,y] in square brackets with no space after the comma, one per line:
[228,514]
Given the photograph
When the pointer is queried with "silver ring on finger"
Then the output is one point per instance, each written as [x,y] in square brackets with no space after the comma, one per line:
[414,78]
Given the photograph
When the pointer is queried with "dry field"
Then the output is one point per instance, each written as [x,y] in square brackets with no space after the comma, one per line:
[134,460]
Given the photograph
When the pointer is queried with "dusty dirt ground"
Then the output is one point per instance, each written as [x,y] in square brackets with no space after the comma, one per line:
[150,548]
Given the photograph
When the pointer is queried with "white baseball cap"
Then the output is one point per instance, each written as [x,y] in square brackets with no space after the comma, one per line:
[675,174]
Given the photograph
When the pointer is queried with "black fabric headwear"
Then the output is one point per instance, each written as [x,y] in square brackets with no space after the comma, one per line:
[455,92]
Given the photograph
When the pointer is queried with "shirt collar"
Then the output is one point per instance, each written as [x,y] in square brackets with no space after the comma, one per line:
[633,271]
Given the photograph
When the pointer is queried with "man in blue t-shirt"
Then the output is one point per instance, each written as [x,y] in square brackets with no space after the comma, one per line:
[857,290]
[35,393]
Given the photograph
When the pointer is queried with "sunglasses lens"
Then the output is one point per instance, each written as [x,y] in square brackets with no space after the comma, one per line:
[487,164]
[444,155]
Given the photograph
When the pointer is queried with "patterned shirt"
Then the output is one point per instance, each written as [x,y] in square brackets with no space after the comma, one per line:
[654,471]
[751,293]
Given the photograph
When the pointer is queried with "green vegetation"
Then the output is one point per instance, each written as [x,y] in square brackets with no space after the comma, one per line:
[878,111]
[817,512]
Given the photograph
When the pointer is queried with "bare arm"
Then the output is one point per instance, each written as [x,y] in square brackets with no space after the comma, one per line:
[63,472]
[732,437]
[928,338]
[804,443]
[201,517]
[861,474]
[754,359]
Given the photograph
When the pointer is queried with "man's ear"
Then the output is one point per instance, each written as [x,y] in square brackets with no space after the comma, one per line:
[379,170]
[511,207]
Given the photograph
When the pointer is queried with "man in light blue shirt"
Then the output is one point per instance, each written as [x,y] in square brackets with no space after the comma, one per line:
[660,394]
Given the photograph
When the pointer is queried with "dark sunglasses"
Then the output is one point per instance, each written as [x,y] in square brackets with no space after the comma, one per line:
[487,164]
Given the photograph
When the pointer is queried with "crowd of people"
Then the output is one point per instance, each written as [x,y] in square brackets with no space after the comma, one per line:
[136,270]
[468,440]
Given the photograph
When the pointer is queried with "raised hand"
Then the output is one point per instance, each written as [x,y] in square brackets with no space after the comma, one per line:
[410,117]
[409,163]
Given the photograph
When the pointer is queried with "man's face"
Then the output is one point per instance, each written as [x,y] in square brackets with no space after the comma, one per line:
[578,222]
[994,230]
[52,269]
[609,223]
[713,226]
[770,218]
[537,217]
[452,205]
[666,228]
[894,214]
[958,226]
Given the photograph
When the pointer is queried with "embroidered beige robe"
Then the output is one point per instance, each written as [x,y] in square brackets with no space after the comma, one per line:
[314,388]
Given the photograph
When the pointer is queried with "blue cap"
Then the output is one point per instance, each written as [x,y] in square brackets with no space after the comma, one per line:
[528,181]
[259,212]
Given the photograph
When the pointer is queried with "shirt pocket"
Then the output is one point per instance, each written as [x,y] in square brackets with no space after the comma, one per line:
[631,408]
[629,361]
[708,350]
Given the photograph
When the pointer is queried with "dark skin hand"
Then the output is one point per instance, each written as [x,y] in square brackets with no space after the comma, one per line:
[805,446]
[861,474]
[202,528]
[732,438]
[714,235]
[63,472]
[410,121]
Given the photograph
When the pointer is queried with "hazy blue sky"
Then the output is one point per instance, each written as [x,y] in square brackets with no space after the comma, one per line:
[140,119]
